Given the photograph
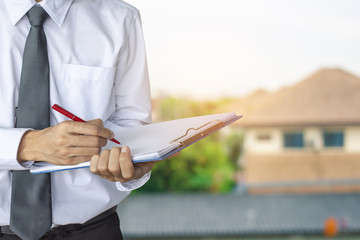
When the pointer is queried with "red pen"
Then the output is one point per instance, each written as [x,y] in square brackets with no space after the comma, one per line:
[74,117]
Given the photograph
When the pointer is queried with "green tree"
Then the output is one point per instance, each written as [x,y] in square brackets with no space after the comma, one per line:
[206,166]
[203,166]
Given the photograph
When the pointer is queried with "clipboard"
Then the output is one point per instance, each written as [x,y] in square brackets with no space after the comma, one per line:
[156,141]
[188,139]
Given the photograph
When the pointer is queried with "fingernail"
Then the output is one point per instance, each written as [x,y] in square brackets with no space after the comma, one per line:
[112,134]
[124,149]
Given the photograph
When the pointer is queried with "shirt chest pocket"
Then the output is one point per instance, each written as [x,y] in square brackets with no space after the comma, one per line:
[88,91]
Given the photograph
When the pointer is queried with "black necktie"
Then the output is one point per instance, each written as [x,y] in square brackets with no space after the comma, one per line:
[30,215]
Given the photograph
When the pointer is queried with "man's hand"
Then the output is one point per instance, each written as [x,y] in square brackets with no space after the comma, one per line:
[115,165]
[66,143]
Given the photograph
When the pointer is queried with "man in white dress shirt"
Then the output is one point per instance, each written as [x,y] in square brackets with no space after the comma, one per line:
[98,70]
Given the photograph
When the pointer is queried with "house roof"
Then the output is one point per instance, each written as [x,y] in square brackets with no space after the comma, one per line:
[327,97]
[198,215]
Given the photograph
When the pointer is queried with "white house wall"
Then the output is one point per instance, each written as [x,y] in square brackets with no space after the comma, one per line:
[352,139]
[272,145]
[313,140]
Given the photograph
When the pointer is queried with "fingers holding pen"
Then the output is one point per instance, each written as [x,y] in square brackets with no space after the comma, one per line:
[83,128]
[87,141]
[92,128]
[68,142]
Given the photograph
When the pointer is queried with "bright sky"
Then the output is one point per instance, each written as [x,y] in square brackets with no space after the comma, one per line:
[208,48]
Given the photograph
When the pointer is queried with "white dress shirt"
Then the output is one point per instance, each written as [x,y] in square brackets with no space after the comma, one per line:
[98,69]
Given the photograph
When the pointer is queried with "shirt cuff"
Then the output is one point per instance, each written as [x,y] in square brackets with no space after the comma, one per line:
[27,164]
[9,149]
[133,184]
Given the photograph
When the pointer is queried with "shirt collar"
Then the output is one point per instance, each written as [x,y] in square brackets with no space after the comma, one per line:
[57,9]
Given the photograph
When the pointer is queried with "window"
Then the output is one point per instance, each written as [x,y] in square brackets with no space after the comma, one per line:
[294,140]
[263,137]
[333,139]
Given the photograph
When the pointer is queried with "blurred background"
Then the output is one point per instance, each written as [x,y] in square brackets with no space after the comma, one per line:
[290,169]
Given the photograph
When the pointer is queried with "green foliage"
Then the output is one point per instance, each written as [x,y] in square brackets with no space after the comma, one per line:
[174,108]
[201,167]
[206,166]
[233,144]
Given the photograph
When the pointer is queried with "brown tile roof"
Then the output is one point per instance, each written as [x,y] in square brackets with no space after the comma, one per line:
[328,97]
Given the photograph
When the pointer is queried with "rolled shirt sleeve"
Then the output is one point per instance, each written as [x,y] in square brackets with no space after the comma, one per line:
[132,96]
[133,184]
[132,87]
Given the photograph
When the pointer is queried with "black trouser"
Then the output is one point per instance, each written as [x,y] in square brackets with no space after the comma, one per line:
[107,228]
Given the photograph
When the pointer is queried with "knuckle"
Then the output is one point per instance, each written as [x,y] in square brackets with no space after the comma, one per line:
[129,175]
[93,169]
[63,152]
[61,141]
[99,121]
[102,169]
[116,150]
[113,170]
[94,130]
[94,158]
[106,152]
[64,125]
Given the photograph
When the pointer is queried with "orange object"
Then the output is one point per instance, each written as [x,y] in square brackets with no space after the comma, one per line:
[331,227]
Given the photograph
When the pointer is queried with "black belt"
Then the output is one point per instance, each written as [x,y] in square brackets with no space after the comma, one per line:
[101,216]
